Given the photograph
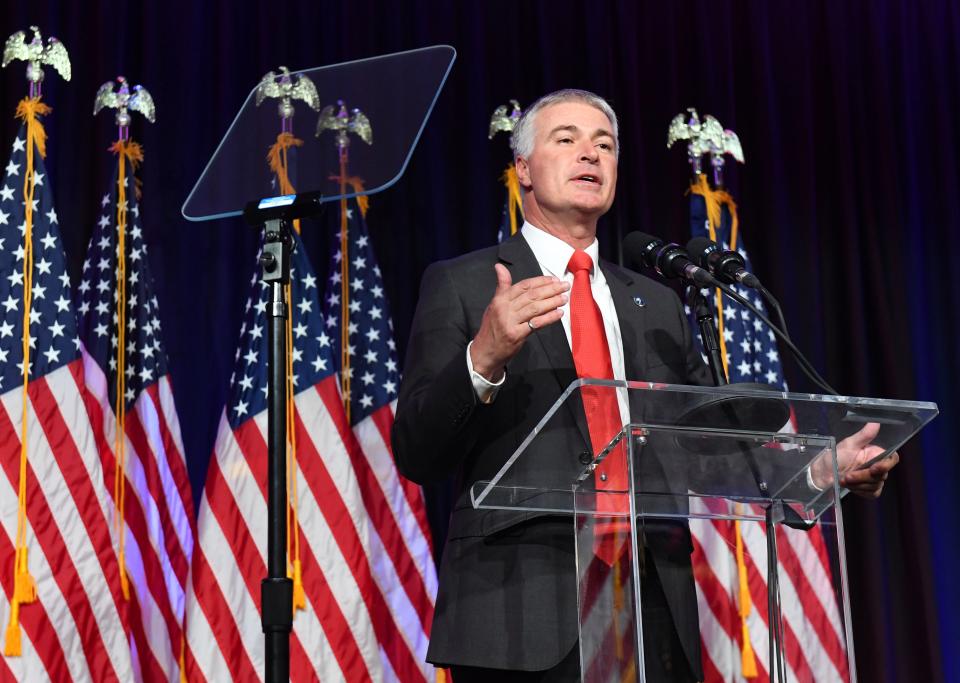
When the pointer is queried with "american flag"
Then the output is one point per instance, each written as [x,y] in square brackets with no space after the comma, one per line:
[158,520]
[348,630]
[813,631]
[75,629]
[400,550]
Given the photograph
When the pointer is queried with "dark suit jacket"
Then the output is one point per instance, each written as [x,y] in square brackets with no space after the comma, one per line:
[508,595]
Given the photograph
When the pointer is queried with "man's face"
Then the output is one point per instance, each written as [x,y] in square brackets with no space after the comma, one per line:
[573,167]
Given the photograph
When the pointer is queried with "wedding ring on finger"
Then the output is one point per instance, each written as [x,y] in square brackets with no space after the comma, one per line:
[531,325]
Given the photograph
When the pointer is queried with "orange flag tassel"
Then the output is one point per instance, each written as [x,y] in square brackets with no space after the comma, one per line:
[514,202]
[24,585]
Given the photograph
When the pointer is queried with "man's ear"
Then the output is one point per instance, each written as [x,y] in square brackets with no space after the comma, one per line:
[523,171]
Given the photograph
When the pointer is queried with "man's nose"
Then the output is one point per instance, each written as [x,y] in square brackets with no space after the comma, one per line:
[588,152]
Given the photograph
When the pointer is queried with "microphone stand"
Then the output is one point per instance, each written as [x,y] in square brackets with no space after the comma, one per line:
[708,333]
[774,510]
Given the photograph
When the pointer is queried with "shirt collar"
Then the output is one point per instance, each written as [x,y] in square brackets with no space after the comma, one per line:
[552,253]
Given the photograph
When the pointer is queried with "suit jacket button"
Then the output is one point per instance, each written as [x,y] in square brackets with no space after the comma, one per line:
[585,458]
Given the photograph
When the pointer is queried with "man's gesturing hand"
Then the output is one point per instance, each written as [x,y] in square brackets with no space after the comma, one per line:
[512,315]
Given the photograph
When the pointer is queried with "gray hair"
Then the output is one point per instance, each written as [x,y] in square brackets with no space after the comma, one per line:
[522,138]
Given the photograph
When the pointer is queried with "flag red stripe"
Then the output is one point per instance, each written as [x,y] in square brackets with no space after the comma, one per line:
[383,419]
[378,509]
[34,618]
[795,657]
[711,674]
[150,668]
[301,668]
[345,534]
[135,519]
[248,559]
[174,456]
[721,604]
[220,617]
[64,571]
[819,543]
[222,504]
[168,428]
[601,665]
[598,576]
[235,530]
[141,444]
[147,458]
[86,503]
[812,609]
[328,613]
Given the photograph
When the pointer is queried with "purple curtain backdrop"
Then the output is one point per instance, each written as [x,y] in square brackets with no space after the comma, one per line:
[847,112]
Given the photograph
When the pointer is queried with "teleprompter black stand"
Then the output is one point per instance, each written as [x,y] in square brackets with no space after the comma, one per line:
[276,590]
[397,93]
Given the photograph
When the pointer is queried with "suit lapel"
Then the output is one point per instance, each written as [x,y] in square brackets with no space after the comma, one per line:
[516,254]
[631,317]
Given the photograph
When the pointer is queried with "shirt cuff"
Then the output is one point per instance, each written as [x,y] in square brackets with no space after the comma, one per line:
[812,484]
[485,390]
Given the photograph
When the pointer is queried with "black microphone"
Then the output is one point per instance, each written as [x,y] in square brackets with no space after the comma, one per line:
[667,258]
[727,266]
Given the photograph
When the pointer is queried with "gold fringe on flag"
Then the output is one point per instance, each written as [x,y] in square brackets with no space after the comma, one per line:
[514,200]
[24,585]
[715,200]
[748,660]
[363,203]
[183,657]
[128,152]
[293,527]
[277,158]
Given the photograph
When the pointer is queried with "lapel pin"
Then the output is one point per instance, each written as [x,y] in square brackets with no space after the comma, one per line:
[639,302]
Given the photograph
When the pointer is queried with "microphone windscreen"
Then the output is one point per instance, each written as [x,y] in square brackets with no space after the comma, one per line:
[640,249]
[699,249]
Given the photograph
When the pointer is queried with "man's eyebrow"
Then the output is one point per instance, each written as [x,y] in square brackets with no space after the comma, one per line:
[568,127]
[571,128]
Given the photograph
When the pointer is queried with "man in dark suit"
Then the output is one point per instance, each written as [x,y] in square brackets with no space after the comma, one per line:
[486,360]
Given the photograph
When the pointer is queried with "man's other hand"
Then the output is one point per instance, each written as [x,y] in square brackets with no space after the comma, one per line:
[514,313]
[856,451]
[852,454]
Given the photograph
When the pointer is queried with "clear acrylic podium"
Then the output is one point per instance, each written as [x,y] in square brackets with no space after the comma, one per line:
[743,467]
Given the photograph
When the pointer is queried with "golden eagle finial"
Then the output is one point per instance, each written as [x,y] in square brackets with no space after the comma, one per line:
[124,102]
[502,121]
[344,122]
[704,137]
[36,53]
[286,88]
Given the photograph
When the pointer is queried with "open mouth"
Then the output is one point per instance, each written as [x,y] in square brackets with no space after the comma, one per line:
[587,178]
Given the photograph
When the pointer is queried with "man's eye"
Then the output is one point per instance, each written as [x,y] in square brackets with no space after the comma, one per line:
[565,140]
[606,146]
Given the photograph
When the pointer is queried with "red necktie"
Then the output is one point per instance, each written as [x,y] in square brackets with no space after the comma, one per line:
[591,356]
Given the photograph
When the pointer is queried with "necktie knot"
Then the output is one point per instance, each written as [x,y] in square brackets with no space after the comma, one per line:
[580,261]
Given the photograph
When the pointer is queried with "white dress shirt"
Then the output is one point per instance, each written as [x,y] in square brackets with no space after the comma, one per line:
[552,255]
